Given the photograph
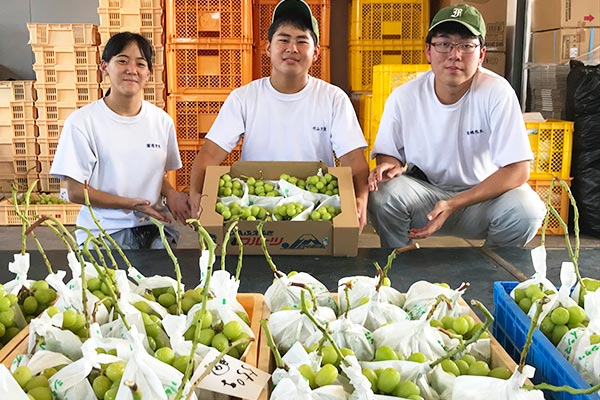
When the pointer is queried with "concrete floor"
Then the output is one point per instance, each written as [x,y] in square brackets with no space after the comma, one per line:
[10,239]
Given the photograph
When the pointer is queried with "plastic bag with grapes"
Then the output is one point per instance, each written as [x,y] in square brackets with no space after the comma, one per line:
[54,338]
[467,387]
[242,201]
[581,345]
[422,295]
[353,336]
[9,386]
[538,281]
[293,386]
[417,337]
[307,207]
[284,293]
[363,288]
[373,314]
[562,298]
[19,267]
[289,190]
[291,326]
[71,381]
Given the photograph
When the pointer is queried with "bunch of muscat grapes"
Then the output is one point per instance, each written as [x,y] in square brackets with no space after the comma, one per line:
[41,198]
[526,297]
[463,325]
[324,213]
[258,187]
[329,368]
[36,387]
[388,381]
[8,326]
[35,299]
[560,320]
[301,183]
[287,211]
[469,365]
[219,335]
[326,184]
[105,382]
[236,212]
[101,289]
[229,187]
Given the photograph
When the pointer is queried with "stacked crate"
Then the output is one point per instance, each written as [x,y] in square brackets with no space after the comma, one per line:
[209,53]
[66,67]
[146,18]
[385,32]
[18,133]
[263,14]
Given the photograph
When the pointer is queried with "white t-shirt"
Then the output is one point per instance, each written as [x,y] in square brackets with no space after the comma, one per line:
[458,145]
[305,126]
[124,156]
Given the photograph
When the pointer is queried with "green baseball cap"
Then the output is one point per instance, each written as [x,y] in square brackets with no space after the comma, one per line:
[464,14]
[296,9]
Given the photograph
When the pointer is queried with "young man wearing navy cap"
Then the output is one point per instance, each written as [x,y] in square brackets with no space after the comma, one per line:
[290,115]
[452,152]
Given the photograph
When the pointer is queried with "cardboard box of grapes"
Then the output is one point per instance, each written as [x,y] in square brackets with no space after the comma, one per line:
[511,326]
[338,237]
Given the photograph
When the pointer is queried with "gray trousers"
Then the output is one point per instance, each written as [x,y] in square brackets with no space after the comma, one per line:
[402,203]
[145,237]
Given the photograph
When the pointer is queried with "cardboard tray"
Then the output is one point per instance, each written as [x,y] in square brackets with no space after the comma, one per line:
[338,237]
[253,303]
[266,362]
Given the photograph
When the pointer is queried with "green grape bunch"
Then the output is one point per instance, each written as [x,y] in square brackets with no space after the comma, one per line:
[301,183]
[230,187]
[37,387]
[258,187]
[8,325]
[236,212]
[35,299]
[324,213]
[288,211]
[326,184]
[40,199]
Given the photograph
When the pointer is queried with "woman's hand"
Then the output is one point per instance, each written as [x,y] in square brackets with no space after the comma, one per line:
[178,203]
[383,172]
[143,206]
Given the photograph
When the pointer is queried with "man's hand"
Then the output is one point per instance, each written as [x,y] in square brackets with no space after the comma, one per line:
[142,205]
[361,209]
[440,213]
[178,205]
[383,172]
[194,201]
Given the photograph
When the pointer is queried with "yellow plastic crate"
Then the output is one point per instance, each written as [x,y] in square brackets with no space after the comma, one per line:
[365,54]
[551,143]
[559,200]
[364,118]
[65,213]
[400,19]
[387,77]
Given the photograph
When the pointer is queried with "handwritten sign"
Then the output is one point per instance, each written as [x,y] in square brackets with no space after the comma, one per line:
[232,377]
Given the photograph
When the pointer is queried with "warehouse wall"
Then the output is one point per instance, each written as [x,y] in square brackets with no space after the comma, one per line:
[15,53]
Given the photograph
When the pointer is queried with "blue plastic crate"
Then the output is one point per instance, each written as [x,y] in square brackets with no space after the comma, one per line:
[510,329]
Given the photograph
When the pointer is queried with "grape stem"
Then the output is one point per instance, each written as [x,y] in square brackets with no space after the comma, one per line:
[462,346]
[438,300]
[226,237]
[263,245]
[238,239]
[321,328]
[309,290]
[347,287]
[163,238]
[23,215]
[564,388]
[532,326]
[136,393]
[264,324]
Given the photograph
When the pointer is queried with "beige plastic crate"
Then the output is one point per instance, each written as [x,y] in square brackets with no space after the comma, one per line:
[49,55]
[67,74]
[26,165]
[66,92]
[47,146]
[57,111]
[25,128]
[16,91]
[63,34]
[21,181]
[49,183]
[17,110]
[25,148]
[49,129]
[130,5]
[65,213]
[130,20]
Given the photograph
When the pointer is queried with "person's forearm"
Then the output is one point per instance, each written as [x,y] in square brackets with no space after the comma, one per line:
[500,182]
[166,188]
[209,154]
[97,198]
[382,158]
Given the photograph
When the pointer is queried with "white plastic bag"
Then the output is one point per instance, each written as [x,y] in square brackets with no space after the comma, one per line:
[303,216]
[408,337]
[19,267]
[353,336]
[538,258]
[293,386]
[9,387]
[422,295]
[375,314]
[291,326]
[468,387]
[281,293]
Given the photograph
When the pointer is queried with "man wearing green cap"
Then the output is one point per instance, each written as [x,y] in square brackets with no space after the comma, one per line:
[289,116]
[452,152]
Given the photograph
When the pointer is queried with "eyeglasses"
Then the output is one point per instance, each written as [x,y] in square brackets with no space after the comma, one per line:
[446,47]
